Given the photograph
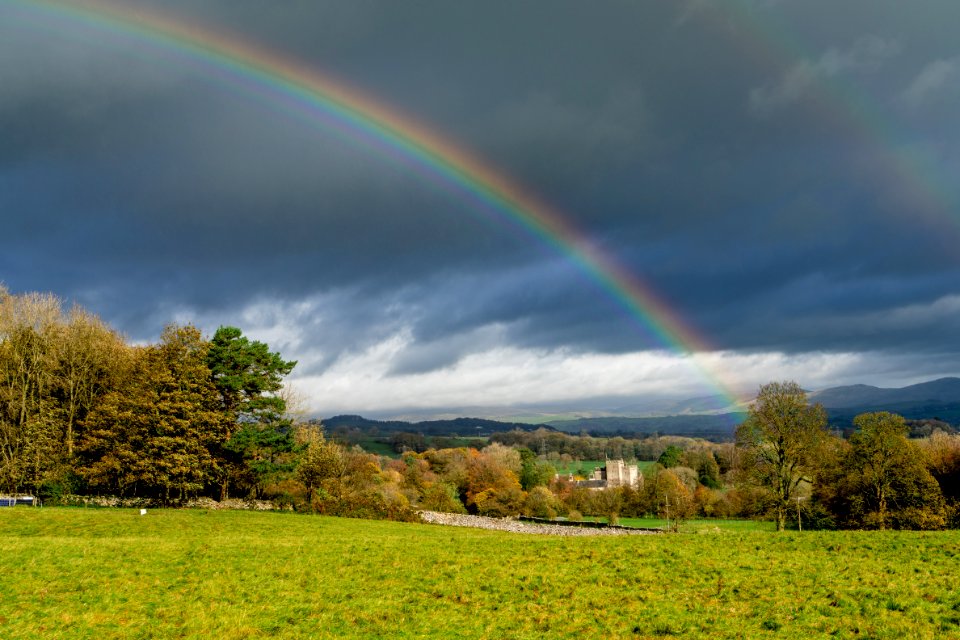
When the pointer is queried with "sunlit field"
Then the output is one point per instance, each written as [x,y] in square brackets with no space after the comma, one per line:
[586,467]
[75,573]
[697,526]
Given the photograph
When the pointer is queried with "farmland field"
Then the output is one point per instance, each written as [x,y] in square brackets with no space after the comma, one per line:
[586,467]
[81,573]
[379,447]
[703,525]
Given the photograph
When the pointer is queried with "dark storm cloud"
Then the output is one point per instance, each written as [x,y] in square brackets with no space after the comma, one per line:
[777,171]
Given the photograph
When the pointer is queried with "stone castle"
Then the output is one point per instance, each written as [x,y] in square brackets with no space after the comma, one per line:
[616,473]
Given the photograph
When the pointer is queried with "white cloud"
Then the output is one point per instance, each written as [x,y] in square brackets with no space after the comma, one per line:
[497,377]
[867,54]
[932,79]
[495,374]
[508,376]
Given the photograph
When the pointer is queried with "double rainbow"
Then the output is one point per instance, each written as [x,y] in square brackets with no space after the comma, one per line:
[329,102]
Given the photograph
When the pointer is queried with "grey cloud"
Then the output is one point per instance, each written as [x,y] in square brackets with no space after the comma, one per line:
[866,54]
[78,81]
[429,355]
[146,188]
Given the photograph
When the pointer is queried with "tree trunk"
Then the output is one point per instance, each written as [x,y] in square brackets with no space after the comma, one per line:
[883,509]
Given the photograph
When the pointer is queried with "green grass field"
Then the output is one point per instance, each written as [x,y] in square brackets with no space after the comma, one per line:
[697,526]
[100,573]
[377,446]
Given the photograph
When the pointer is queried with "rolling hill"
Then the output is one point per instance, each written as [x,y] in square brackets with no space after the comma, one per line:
[934,392]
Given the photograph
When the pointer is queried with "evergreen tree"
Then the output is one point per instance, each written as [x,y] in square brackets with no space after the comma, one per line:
[248,377]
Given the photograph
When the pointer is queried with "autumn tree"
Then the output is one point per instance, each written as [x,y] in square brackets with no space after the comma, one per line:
[533,472]
[669,496]
[320,460]
[942,451]
[882,480]
[779,442]
[156,435]
[493,486]
[89,360]
[441,496]
[878,449]
[451,467]
[29,438]
[606,502]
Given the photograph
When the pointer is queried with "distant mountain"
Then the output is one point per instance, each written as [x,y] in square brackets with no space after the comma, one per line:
[456,426]
[667,407]
[704,417]
[635,407]
[934,399]
[718,427]
[946,412]
[941,391]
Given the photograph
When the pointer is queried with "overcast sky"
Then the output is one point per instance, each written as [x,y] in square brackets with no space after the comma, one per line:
[782,173]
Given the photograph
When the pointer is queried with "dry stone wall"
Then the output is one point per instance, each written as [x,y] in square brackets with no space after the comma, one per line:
[515,526]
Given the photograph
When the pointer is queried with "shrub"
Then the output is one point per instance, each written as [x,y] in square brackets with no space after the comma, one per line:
[606,502]
[499,503]
[671,456]
[288,494]
[541,503]
[441,496]
[52,491]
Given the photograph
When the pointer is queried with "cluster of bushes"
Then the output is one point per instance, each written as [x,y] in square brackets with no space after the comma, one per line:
[920,484]
[497,481]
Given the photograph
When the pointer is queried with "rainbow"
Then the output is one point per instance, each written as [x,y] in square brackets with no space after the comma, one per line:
[931,193]
[332,103]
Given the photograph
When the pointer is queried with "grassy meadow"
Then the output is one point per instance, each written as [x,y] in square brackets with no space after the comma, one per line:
[586,467]
[102,573]
[701,526]
[379,447]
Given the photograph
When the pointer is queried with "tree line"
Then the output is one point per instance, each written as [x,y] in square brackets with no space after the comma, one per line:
[877,478]
[83,411]
[786,464]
